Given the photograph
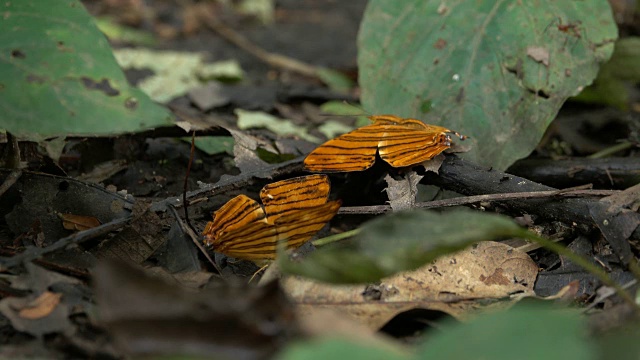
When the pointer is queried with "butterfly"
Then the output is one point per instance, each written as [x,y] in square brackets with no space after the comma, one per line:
[400,142]
[293,211]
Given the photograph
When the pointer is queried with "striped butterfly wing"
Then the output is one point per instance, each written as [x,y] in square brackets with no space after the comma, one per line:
[235,214]
[295,210]
[240,229]
[411,142]
[291,195]
[400,142]
[296,228]
[353,151]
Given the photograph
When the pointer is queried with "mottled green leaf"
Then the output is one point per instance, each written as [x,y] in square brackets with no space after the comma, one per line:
[497,71]
[58,75]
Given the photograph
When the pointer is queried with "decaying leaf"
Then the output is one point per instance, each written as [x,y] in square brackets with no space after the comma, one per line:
[487,275]
[617,217]
[41,306]
[402,193]
[78,222]
[148,316]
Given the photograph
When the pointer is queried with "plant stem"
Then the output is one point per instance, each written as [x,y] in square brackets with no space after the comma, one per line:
[336,237]
[611,150]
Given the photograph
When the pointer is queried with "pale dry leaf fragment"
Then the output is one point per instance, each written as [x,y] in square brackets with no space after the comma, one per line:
[41,306]
[434,164]
[539,54]
[402,193]
[244,151]
[472,280]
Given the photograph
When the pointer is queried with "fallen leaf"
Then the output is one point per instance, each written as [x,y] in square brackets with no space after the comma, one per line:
[78,222]
[41,306]
[259,119]
[402,193]
[487,275]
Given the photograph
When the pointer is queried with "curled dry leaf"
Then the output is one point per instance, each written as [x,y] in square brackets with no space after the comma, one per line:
[460,284]
[78,222]
[41,306]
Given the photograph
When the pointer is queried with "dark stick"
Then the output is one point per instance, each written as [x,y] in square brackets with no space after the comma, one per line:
[33,253]
[619,173]
[471,179]
[10,180]
[467,200]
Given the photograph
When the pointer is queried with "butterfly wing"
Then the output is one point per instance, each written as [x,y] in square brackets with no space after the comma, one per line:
[237,218]
[286,196]
[410,142]
[295,209]
[298,227]
[353,151]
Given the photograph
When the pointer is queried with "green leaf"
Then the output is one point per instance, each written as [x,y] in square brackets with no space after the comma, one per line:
[336,349]
[121,33]
[524,332]
[342,108]
[212,145]
[259,119]
[335,80]
[399,242]
[332,128]
[175,72]
[617,77]
[58,76]
[497,71]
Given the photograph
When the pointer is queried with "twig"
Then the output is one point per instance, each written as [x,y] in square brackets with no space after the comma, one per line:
[187,230]
[10,180]
[379,209]
[274,60]
[471,179]
[561,173]
[611,150]
[33,253]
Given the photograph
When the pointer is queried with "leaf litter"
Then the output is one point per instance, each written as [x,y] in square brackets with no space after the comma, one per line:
[135,305]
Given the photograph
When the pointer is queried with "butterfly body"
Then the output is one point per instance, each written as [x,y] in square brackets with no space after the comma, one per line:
[293,211]
[400,142]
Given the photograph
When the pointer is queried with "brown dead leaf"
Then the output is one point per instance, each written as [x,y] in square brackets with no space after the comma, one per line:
[78,222]
[41,306]
[469,281]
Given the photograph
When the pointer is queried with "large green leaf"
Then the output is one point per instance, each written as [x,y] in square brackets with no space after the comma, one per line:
[58,75]
[524,332]
[496,70]
[337,348]
[399,242]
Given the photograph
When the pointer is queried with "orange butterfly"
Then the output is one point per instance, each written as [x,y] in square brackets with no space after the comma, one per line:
[400,142]
[294,211]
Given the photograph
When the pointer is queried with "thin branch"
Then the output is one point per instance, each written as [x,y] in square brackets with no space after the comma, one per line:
[189,231]
[33,253]
[10,180]
[466,200]
[274,60]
